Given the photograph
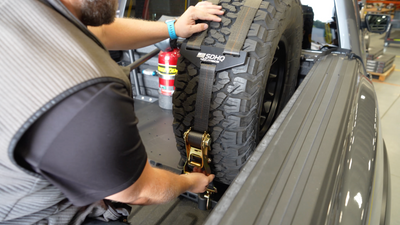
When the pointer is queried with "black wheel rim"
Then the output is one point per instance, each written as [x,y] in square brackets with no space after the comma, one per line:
[273,90]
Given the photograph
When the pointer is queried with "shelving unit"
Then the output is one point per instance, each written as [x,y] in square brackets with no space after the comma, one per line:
[393,33]
[396,3]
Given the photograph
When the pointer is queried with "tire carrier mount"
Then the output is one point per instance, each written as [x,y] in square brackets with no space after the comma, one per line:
[197,139]
[211,60]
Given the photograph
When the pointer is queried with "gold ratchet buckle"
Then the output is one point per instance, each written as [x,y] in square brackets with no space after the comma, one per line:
[197,155]
[197,150]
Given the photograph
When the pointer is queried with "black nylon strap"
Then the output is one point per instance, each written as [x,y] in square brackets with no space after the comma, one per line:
[215,2]
[255,4]
[195,139]
[196,40]
[241,27]
[203,99]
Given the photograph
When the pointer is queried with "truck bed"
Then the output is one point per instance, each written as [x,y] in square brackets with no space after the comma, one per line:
[180,211]
[155,128]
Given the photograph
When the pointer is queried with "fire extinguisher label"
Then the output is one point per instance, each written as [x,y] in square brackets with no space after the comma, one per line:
[167,70]
[166,84]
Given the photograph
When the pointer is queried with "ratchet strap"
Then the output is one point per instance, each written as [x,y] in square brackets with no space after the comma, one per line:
[196,40]
[197,139]
[211,60]
[215,2]
[203,99]
[233,46]
[241,27]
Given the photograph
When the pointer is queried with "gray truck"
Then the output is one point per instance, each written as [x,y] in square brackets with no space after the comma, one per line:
[293,119]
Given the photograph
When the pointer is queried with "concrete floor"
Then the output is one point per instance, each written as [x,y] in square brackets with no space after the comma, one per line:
[388,93]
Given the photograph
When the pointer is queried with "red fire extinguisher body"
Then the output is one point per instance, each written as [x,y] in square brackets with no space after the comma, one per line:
[167,70]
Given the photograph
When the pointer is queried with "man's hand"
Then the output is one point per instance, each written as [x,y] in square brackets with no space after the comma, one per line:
[126,33]
[156,186]
[186,25]
[198,181]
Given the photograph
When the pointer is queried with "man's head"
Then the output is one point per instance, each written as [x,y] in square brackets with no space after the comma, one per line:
[98,12]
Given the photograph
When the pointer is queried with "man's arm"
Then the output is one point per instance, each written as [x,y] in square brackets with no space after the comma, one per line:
[125,33]
[156,186]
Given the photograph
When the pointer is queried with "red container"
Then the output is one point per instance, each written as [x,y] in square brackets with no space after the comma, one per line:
[167,70]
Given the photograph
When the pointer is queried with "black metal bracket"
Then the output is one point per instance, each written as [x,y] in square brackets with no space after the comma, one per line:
[200,199]
[213,55]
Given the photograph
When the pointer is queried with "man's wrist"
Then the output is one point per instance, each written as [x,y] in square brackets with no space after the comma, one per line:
[188,182]
[171,29]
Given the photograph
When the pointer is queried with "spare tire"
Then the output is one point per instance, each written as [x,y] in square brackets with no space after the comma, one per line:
[246,99]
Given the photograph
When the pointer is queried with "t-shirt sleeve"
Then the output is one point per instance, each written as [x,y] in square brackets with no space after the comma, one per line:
[88,145]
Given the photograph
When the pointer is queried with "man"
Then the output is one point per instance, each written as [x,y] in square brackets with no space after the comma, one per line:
[68,135]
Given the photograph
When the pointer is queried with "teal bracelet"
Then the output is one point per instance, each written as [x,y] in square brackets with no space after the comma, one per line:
[171,29]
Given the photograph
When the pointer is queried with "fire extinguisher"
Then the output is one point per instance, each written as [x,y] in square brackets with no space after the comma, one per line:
[167,70]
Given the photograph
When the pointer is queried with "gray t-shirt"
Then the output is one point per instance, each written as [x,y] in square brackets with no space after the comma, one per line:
[88,145]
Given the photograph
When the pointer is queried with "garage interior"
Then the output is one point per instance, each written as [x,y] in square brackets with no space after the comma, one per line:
[157,134]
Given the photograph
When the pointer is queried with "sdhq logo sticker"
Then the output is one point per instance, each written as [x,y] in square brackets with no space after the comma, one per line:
[205,57]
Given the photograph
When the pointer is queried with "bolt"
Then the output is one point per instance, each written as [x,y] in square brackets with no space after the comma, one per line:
[209,160]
